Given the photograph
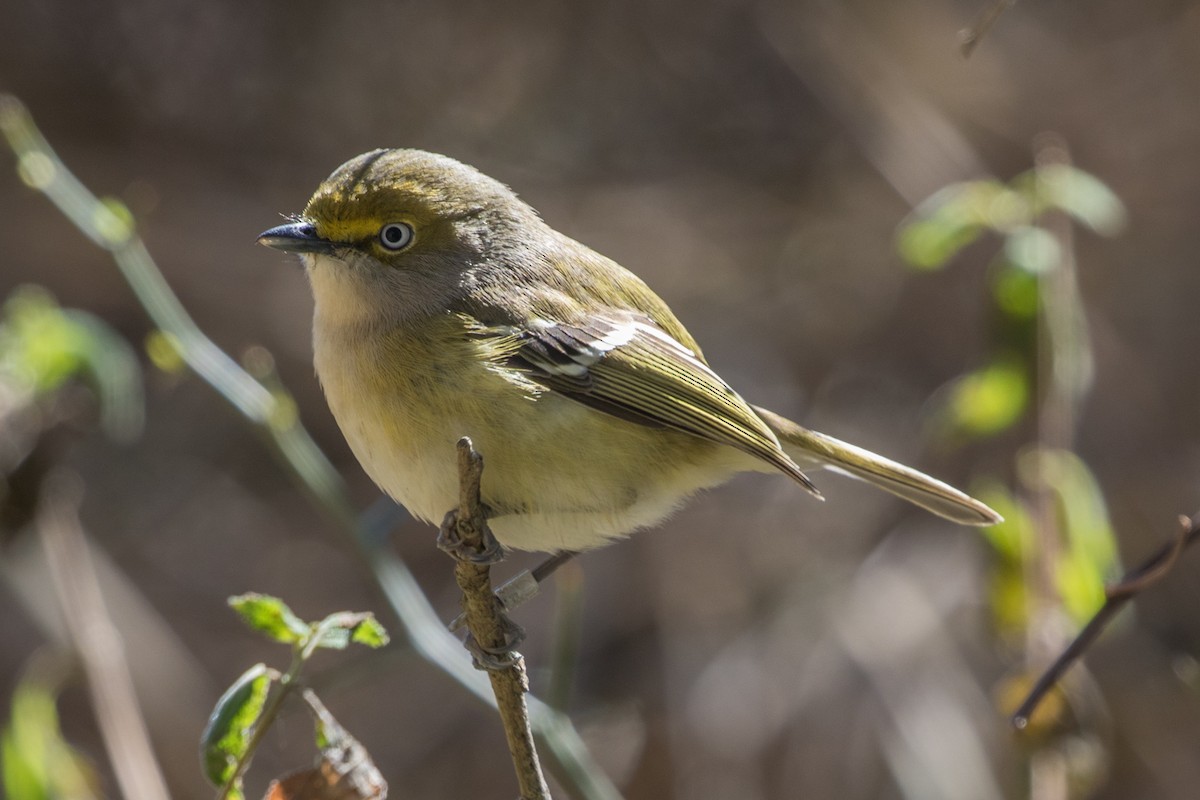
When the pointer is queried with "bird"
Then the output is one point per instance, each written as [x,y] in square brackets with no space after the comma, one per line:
[444,307]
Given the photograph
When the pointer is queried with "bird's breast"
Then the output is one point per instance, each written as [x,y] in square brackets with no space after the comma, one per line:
[558,474]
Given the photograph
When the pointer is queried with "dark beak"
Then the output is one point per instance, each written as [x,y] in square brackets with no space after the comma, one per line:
[296,237]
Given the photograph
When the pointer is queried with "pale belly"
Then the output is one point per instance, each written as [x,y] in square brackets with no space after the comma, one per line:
[557,474]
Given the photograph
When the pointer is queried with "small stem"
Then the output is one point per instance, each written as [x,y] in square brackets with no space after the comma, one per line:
[1145,574]
[287,682]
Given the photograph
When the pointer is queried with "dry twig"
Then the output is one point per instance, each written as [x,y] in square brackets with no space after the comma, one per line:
[1136,580]
[490,629]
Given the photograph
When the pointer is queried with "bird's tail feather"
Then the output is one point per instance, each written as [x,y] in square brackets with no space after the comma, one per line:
[805,446]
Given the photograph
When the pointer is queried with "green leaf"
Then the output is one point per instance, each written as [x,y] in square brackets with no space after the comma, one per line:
[228,732]
[370,633]
[18,776]
[42,346]
[1016,291]
[1081,195]
[1032,249]
[38,344]
[271,616]
[361,627]
[929,243]
[1091,553]
[36,762]
[1089,529]
[988,400]
[1080,584]
[1008,600]
[1010,538]
[1008,591]
[955,216]
[1012,541]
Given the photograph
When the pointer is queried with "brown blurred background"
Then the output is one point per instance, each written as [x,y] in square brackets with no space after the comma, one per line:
[752,161]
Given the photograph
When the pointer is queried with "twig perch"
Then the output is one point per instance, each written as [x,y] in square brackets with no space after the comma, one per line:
[467,538]
[1144,575]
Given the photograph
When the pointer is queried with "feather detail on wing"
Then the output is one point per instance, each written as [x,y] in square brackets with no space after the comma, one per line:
[626,366]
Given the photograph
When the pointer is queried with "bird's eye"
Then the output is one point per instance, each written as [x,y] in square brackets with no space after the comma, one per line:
[395,235]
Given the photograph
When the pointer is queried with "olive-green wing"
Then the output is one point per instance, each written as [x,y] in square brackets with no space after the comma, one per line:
[627,366]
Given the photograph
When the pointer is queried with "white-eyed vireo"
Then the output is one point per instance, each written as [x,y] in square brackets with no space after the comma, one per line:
[445,307]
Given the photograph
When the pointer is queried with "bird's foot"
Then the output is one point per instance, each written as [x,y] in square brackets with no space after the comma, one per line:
[501,656]
[451,541]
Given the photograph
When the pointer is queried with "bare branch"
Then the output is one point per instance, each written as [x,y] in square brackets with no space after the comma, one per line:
[1133,582]
[1153,570]
[493,634]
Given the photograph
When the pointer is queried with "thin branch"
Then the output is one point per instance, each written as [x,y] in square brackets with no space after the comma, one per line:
[286,684]
[1154,569]
[488,625]
[1131,584]
[96,640]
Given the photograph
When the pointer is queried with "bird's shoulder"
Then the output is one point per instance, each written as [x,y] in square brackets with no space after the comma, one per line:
[562,281]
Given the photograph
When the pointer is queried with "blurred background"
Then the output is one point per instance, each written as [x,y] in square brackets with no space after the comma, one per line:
[754,162]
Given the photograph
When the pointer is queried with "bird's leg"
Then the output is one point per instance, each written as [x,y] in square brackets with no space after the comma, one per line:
[522,587]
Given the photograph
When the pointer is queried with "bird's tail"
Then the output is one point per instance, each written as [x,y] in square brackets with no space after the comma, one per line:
[805,447]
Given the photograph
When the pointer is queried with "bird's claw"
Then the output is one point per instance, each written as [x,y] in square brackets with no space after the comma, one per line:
[501,656]
[450,541]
